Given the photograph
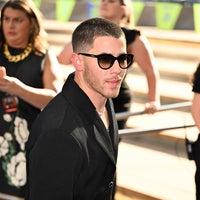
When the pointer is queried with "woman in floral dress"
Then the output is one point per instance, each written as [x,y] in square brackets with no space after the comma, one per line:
[29,79]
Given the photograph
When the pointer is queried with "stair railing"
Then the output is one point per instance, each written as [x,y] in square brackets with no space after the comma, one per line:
[133,131]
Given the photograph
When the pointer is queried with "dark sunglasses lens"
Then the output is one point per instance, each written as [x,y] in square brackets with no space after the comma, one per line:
[125,60]
[105,61]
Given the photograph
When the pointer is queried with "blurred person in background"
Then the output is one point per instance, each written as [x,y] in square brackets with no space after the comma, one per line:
[121,13]
[195,110]
[29,78]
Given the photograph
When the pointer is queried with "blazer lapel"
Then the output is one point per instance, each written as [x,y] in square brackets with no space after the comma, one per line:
[104,141]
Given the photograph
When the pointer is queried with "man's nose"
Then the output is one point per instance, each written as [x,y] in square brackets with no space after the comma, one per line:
[116,66]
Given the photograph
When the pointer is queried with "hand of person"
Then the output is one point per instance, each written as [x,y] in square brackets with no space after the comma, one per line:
[2,71]
[8,84]
[152,107]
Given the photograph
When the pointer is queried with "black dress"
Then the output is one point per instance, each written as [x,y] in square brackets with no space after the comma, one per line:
[196,81]
[122,103]
[16,123]
[196,144]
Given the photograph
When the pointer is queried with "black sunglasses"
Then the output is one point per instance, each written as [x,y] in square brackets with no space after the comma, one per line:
[106,61]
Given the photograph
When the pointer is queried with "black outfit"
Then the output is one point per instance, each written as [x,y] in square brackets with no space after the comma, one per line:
[70,153]
[196,144]
[15,125]
[122,102]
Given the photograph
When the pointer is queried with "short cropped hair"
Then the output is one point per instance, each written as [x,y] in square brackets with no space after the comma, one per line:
[86,32]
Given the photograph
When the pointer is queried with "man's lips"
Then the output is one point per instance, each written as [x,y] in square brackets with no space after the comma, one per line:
[114,82]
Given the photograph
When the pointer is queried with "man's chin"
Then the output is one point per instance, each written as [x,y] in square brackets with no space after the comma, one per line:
[114,95]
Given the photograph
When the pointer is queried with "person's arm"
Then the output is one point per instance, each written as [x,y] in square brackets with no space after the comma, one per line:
[38,97]
[144,57]
[65,55]
[195,109]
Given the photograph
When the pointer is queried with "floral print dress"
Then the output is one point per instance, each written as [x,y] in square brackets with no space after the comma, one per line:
[16,122]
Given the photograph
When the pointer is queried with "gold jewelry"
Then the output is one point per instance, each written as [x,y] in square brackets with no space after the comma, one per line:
[19,57]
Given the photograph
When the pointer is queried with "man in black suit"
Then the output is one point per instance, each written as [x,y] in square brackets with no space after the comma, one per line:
[72,148]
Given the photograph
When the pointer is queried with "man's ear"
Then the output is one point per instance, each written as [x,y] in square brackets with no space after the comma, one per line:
[76,61]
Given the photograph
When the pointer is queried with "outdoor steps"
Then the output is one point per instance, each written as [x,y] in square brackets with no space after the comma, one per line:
[155,163]
[188,39]
[171,90]
[155,170]
[186,43]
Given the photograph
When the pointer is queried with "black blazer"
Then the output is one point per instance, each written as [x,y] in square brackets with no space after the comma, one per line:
[70,154]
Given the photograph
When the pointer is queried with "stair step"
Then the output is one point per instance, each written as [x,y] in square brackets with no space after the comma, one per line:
[177,67]
[158,174]
[181,36]
[174,90]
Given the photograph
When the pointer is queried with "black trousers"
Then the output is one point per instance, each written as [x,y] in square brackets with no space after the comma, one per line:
[196,155]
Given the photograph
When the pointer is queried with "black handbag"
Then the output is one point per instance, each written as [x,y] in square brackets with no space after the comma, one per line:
[193,148]
[189,148]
